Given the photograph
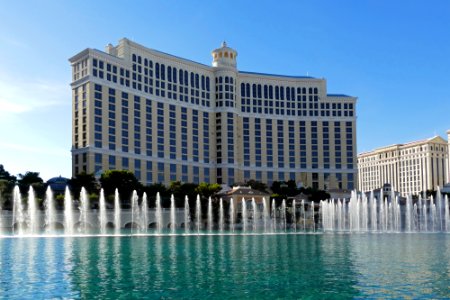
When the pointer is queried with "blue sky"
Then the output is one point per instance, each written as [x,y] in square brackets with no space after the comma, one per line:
[393,55]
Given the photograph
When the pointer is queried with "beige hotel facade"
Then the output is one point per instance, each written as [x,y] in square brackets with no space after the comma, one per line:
[410,168]
[167,119]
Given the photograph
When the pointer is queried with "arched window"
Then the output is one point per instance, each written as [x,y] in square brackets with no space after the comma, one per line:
[226,54]
[231,55]
[207,84]
[220,54]
[181,76]
[163,72]
[242,90]
[174,75]
[247,89]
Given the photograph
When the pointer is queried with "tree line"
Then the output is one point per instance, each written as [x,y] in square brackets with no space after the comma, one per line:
[126,182]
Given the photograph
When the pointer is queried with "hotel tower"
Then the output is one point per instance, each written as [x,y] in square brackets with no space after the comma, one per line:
[167,118]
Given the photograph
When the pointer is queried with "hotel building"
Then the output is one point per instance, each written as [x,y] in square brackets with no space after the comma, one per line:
[167,118]
[410,168]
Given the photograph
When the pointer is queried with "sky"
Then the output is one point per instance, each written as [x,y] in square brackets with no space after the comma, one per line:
[394,56]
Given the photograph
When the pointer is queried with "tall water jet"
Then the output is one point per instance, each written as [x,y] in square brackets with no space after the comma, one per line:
[244,215]
[102,213]
[294,215]
[33,220]
[303,214]
[425,217]
[439,208]
[409,218]
[266,214]
[144,213]
[68,213]
[18,212]
[447,214]
[221,216]
[373,211]
[135,211]
[255,215]
[84,206]
[158,213]
[173,221]
[434,220]
[364,213]
[341,214]
[50,212]
[326,207]
[420,213]
[274,216]
[210,215]
[313,217]
[1,219]
[117,212]
[232,216]
[187,215]
[283,214]
[198,213]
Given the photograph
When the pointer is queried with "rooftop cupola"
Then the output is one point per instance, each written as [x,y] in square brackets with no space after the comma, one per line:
[224,57]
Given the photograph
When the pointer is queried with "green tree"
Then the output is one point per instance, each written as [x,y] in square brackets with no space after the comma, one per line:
[181,190]
[284,189]
[85,180]
[32,179]
[257,185]
[152,189]
[7,183]
[206,190]
[123,180]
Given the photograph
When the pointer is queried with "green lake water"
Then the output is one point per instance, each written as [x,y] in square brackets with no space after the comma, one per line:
[293,266]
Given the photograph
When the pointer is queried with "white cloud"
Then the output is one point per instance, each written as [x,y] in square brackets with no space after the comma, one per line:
[20,96]
[12,42]
[35,150]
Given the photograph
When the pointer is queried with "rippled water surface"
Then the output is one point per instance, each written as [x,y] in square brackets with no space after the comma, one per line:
[318,266]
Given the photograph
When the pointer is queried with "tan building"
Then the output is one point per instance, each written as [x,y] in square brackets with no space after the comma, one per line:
[167,118]
[410,168]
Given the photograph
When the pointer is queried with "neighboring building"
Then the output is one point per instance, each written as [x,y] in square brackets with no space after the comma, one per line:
[386,190]
[448,157]
[58,184]
[239,193]
[167,118]
[410,168]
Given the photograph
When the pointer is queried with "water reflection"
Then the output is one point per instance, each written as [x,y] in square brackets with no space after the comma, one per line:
[396,266]
[227,266]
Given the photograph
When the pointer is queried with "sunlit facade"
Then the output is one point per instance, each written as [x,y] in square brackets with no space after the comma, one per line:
[410,168]
[167,118]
